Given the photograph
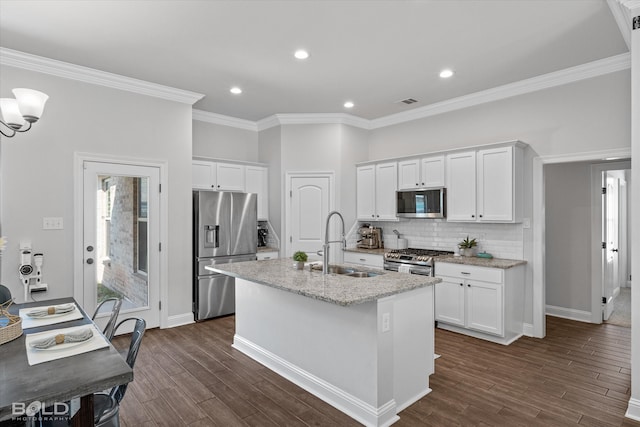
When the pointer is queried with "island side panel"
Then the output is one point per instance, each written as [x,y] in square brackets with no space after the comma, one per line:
[413,345]
[336,352]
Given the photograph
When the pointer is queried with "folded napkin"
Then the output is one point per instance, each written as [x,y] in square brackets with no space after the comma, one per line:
[48,311]
[76,336]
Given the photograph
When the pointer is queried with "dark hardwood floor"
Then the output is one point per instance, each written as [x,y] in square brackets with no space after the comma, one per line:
[578,375]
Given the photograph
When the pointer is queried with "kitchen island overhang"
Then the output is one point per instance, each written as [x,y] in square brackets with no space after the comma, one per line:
[366,351]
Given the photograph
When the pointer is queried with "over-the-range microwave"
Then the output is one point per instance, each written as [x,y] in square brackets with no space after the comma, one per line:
[422,203]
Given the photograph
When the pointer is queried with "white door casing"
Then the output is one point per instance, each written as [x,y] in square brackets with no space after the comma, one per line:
[310,199]
[87,168]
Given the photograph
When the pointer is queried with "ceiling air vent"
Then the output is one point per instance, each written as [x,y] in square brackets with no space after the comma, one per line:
[407,101]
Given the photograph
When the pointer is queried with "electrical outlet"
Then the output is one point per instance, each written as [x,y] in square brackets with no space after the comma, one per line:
[52,223]
[386,322]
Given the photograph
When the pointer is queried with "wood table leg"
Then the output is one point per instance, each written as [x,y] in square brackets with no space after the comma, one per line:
[84,416]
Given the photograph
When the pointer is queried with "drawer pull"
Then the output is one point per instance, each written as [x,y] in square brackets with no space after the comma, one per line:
[465,273]
[363,259]
[267,257]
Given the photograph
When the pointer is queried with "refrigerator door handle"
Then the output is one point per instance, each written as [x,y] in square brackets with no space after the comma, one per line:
[211,233]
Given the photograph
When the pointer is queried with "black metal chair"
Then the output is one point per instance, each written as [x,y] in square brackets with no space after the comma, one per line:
[5,294]
[109,329]
[106,406]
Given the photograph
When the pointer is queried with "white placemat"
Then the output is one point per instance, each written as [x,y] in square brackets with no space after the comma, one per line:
[63,350]
[34,322]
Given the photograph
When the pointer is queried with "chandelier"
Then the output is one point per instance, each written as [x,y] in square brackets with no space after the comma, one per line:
[20,113]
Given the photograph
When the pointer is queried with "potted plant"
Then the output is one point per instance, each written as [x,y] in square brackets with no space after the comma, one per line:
[467,246]
[299,257]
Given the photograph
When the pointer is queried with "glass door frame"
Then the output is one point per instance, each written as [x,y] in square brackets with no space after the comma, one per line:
[79,238]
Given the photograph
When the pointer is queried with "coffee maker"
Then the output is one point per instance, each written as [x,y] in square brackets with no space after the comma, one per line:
[370,237]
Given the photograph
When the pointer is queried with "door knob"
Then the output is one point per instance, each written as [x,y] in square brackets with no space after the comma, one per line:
[89,260]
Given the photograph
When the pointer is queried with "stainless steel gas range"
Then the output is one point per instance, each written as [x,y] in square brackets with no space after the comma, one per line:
[411,260]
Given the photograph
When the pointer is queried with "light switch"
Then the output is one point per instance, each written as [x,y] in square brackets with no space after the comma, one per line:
[52,223]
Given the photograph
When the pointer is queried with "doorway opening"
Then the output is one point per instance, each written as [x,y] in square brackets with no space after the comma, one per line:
[616,275]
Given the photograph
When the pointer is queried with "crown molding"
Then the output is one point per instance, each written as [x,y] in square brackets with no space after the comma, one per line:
[630,4]
[219,119]
[545,81]
[313,118]
[26,61]
[622,17]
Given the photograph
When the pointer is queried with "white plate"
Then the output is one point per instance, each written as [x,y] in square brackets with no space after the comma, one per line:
[64,346]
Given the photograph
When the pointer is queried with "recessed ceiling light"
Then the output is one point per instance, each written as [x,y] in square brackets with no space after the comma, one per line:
[301,54]
[235,90]
[446,73]
[348,104]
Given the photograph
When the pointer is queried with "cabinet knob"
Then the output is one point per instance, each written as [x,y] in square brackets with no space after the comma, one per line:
[468,285]
[373,216]
[473,216]
[461,284]
[218,185]
[423,184]
[378,216]
[480,216]
[213,186]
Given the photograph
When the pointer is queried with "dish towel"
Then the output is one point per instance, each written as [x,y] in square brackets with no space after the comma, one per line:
[404,269]
[48,311]
[77,336]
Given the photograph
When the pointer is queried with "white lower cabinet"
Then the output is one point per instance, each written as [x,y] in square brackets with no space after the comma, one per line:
[370,260]
[263,255]
[483,302]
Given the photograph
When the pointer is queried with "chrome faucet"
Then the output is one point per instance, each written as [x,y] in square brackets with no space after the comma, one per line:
[325,246]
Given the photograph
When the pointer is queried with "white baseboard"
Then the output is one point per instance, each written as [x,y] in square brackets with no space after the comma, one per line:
[354,407]
[179,320]
[569,313]
[633,410]
[527,329]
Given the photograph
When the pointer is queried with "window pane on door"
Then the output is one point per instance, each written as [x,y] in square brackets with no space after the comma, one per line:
[122,251]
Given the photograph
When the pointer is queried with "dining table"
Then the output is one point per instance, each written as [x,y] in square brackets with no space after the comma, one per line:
[57,381]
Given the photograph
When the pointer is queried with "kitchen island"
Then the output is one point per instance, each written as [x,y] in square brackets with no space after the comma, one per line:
[362,344]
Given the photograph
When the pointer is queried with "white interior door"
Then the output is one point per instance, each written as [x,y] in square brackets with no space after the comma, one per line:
[309,198]
[121,231]
[611,216]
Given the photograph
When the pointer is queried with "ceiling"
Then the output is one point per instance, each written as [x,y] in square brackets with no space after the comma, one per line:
[373,53]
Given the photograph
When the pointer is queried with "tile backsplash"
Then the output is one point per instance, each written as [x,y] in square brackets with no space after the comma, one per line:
[500,240]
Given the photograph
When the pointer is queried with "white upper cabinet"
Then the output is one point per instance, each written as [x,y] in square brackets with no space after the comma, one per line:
[376,191]
[421,173]
[386,186]
[409,174]
[257,181]
[203,175]
[461,186]
[230,177]
[366,192]
[433,172]
[217,176]
[485,185]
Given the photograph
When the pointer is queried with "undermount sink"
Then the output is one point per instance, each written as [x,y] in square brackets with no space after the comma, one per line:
[351,272]
[362,274]
[336,269]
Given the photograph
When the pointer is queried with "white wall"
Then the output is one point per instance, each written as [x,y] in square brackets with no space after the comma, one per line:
[270,152]
[37,172]
[224,142]
[590,115]
[568,235]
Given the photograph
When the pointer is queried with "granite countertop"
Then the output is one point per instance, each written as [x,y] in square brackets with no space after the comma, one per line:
[267,249]
[334,288]
[379,251]
[482,262]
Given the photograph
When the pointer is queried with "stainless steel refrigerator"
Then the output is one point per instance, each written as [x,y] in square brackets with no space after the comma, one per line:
[224,231]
